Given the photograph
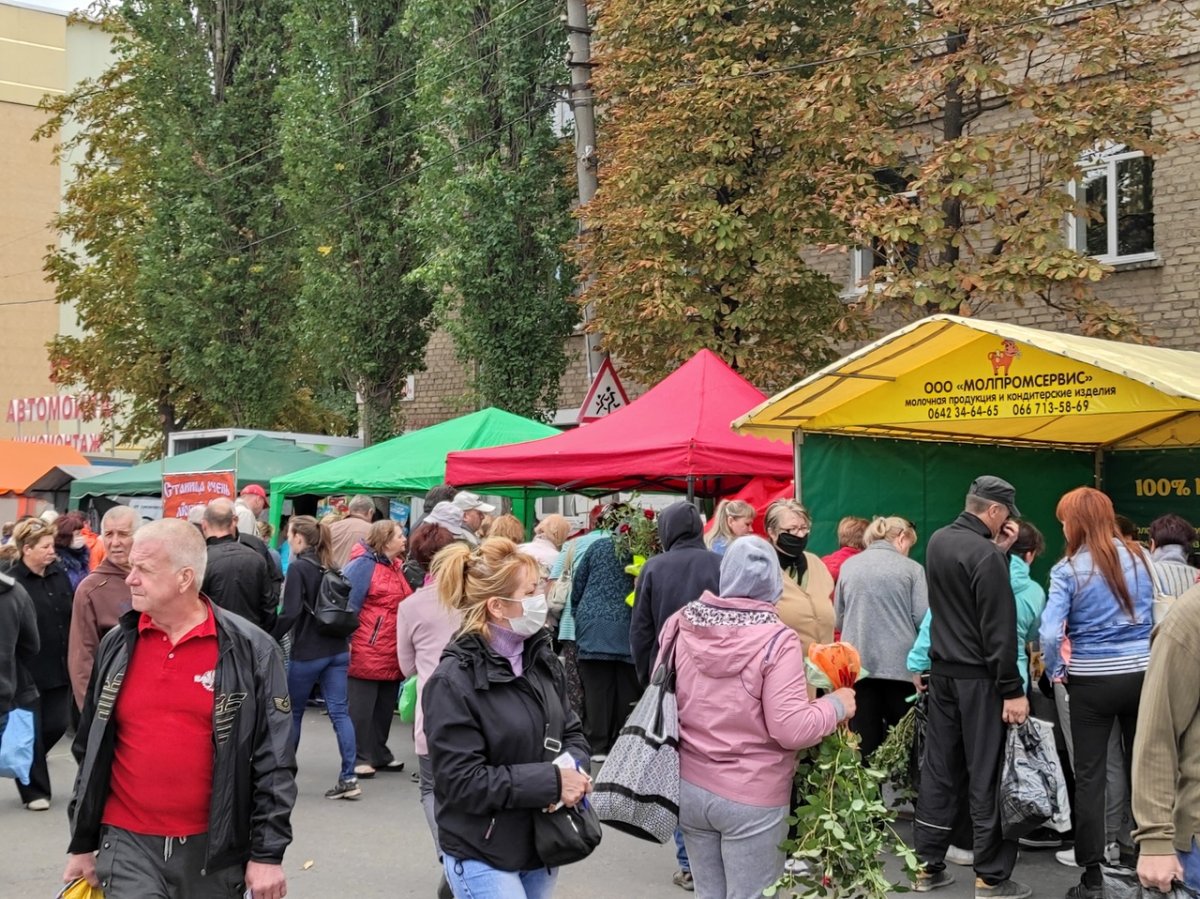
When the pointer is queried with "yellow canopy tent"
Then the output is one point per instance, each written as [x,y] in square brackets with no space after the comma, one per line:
[948,398]
[970,381]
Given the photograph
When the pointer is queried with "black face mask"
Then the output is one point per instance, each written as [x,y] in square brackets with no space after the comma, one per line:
[791,545]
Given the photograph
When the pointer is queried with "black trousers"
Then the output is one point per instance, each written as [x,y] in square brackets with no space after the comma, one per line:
[610,691]
[51,716]
[964,748]
[372,707]
[1095,703]
[881,703]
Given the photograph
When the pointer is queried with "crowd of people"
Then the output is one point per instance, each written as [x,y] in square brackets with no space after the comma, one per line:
[529,655]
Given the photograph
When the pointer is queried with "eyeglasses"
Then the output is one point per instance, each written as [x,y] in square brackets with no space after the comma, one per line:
[799,530]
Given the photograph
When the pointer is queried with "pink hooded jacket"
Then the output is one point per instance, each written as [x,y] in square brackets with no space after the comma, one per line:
[744,709]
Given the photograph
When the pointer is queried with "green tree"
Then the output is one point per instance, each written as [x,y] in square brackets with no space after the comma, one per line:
[694,237]
[178,279]
[495,196]
[350,145]
[943,135]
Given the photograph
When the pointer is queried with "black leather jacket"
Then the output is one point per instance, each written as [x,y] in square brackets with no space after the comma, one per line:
[254,767]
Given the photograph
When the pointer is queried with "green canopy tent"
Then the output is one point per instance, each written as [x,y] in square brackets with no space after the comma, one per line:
[255,459]
[414,462]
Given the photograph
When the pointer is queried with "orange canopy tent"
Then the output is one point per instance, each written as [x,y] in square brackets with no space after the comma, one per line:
[22,464]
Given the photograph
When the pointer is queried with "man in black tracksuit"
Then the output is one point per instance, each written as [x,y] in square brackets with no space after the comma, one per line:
[975,689]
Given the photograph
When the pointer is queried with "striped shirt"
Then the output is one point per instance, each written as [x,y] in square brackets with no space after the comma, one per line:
[1175,576]
[1101,667]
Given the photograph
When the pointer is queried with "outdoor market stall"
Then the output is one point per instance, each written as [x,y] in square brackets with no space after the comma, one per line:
[254,460]
[22,465]
[904,424]
[673,439]
[411,463]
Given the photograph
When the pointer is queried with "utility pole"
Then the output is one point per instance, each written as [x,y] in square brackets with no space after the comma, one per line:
[579,61]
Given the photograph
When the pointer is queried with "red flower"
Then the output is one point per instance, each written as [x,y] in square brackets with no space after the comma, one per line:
[649,514]
[623,529]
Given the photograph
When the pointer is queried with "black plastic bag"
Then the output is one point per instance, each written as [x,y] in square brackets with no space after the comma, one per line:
[1028,789]
[1123,883]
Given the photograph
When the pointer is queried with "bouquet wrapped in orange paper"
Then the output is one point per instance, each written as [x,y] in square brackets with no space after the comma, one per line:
[843,828]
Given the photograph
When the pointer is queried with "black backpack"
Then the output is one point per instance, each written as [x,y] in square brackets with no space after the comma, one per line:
[332,610]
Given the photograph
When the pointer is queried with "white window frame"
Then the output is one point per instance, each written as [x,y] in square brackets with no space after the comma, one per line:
[1105,159]
[861,256]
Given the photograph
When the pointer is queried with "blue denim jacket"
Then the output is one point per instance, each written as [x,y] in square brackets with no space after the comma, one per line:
[1093,617]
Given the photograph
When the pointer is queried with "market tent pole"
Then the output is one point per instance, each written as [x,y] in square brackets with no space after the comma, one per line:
[797,463]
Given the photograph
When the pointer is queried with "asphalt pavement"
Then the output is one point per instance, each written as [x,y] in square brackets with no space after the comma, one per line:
[378,847]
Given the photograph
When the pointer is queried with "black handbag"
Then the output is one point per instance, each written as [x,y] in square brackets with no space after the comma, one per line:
[565,835]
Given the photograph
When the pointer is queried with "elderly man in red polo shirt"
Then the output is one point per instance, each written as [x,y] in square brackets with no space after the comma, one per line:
[186,776]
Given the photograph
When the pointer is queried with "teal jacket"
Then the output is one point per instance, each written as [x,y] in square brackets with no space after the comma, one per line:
[1031,600]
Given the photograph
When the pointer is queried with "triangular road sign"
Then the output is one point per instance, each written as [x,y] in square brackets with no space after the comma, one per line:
[605,396]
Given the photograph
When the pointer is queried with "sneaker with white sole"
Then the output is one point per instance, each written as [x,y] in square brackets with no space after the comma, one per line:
[365,771]
[1007,889]
[1112,853]
[345,789]
[38,805]
[963,857]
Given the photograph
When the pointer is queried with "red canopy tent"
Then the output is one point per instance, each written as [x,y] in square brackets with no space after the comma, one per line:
[673,439]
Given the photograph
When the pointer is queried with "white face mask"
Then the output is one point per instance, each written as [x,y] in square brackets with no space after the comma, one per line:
[533,619]
[77,542]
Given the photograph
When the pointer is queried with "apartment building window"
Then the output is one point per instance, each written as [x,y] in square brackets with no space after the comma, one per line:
[1117,187]
[865,259]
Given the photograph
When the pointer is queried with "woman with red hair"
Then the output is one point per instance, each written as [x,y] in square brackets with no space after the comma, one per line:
[1101,596]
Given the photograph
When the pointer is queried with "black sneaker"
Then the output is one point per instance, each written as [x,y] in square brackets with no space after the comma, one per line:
[1008,889]
[928,881]
[1042,838]
[1083,891]
[393,767]
[345,789]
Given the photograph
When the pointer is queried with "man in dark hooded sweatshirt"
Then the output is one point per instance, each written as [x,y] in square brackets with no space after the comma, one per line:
[669,581]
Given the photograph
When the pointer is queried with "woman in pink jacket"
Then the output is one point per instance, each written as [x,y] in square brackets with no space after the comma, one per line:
[744,712]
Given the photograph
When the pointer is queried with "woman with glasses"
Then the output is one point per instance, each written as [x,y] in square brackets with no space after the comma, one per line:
[38,571]
[807,585]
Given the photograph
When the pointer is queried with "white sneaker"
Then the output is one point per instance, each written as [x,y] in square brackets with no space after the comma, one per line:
[1112,854]
[38,805]
[964,857]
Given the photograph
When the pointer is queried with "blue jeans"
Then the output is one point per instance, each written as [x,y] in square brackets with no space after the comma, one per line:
[1191,866]
[681,851]
[331,673]
[478,880]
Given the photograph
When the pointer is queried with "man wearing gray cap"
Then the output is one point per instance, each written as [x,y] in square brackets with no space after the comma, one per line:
[975,689]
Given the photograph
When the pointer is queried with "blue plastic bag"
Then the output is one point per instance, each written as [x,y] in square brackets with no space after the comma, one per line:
[16,745]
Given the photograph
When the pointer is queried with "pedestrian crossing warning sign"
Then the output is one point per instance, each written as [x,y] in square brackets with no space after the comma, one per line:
[605,396]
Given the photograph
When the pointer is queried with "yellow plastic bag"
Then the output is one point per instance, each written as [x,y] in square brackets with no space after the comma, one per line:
[81,889]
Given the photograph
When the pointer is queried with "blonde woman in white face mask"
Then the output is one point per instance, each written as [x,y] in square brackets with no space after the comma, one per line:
[485,711]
